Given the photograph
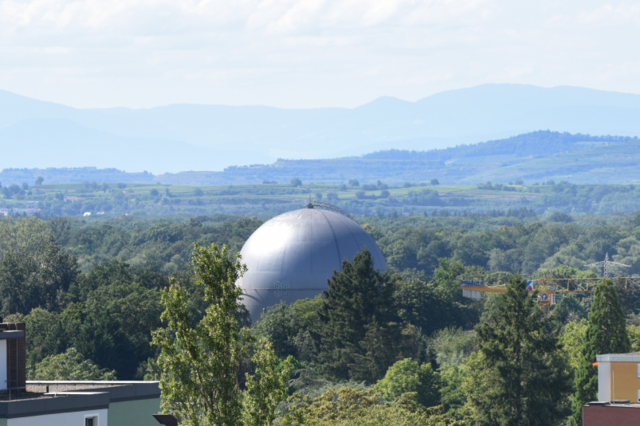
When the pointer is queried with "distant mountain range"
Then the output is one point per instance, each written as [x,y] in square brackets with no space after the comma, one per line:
[179,138]
[533,157]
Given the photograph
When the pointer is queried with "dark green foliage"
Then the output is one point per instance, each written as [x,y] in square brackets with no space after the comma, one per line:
[606,334]
[35,278]
[358,309]
[56,336]
[108,318]
[570,309]
[94,284]
[59,227]
[416,248]
[438,304]
[418,243]
[287,328]
[113,274]
[520,375]
[161,245]
[379,349]
[560,217]
[103,341]
[408,375]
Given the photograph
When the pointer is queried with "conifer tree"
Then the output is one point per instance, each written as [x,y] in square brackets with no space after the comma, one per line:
[606,334]
[360,300]
[376,352]
[519,375]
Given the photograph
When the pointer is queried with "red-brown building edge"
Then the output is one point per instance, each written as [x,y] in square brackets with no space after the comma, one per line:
[615,413]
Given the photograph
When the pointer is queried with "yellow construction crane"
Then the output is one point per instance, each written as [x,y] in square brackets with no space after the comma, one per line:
[548,288]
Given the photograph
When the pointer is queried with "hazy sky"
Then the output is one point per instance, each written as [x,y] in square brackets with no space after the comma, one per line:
[308,53]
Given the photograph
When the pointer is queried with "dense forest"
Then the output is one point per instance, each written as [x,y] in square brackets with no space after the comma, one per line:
[90,293]
[540,143]
[494,242]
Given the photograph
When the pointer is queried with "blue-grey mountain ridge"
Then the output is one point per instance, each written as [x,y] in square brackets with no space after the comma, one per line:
[179,138]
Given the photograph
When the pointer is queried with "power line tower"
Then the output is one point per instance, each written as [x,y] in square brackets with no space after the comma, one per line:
[607,266]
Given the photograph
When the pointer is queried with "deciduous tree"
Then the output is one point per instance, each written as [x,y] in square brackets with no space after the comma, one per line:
[200,363]
[266,387]
[408,375]
[70,365]
[351,407]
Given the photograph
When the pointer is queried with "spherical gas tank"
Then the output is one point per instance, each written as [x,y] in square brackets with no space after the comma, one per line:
[292,256]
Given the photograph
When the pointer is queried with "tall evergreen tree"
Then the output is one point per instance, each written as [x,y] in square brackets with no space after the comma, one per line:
[360,300]
[519,376]
[606,334]
[376,353]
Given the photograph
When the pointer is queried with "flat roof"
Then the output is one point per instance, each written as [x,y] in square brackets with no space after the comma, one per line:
[117,390]
[53,396]
[628,357]
[626,404]
[11,334]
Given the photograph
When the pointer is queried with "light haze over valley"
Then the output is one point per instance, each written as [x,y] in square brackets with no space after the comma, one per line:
[319,212]
[189,137]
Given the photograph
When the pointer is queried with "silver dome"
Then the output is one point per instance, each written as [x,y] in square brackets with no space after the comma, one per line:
[292,256]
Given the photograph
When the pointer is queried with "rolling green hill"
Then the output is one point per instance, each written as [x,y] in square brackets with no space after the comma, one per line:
[536,156]
[532,157]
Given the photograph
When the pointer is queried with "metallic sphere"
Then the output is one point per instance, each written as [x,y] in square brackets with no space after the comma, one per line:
[291,256]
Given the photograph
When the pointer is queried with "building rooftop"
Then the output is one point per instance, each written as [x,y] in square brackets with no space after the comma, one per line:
[118,390]
[627,357]
[50,396]
[618,403]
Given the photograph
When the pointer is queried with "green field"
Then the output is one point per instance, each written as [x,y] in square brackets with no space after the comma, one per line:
[264,200]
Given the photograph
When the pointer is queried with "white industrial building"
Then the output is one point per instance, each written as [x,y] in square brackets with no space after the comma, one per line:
[67,403]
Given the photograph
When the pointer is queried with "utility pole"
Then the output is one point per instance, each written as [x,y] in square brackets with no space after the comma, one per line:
[606,266]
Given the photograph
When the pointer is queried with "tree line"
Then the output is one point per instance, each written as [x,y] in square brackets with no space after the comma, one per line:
[402,342]
[366,363]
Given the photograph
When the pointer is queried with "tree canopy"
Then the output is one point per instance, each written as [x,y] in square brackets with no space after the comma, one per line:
[357,327]
[606,333]
[200,365]
[518,376]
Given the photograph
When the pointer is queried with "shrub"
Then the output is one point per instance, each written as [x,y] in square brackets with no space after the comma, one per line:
[408,376]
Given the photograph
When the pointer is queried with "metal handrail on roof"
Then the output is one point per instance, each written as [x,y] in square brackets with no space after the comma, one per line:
[312,204]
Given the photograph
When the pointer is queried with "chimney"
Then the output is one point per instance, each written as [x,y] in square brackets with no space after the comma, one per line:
[13,356]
